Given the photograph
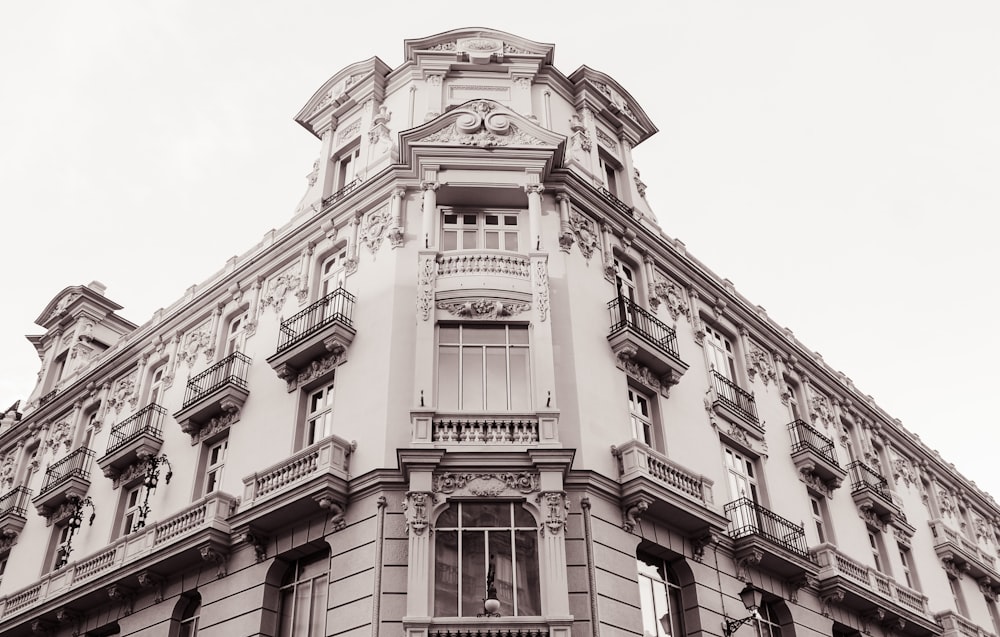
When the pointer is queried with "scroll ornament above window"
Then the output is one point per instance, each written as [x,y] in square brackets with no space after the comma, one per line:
[479,123]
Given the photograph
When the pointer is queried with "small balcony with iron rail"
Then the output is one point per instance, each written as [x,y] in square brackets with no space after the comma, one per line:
[735,404]
[780,543]
[13,509]
[324,328]
[638,336]
[65,480]
[871,492]
[814,455]
[337,195]
[138,436]
[219,390]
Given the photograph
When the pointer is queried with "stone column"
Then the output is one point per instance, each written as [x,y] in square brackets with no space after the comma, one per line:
[534,215]
[430,215]
[396,231]
[565,229]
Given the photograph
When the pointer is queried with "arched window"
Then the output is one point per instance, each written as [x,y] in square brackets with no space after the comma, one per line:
[659,598]
[188,626]
[303,596]
[476,539]
[767,621]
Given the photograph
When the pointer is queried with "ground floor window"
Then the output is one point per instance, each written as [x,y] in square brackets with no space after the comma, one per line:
[659,598]
[303,596]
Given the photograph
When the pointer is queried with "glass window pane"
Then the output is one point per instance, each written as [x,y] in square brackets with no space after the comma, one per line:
[510,220]
[486,514]
[650,625]
[449,240]
[528,594]
[502,559]
[285,616]
[520,395]
[484,335]
[510,241]
[492,241]
[446,572]
[472,378]
[518,334]
[448,378]
[317,621]
[449,518]
[496,378]
[469,220]
[469,240]
[660,604]
[522,518]
[448,334]
[300,621]
[493,220]
[451,218]
[473,572]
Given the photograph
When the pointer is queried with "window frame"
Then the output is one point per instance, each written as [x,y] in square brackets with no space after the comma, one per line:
[650,421]
[671,593]
[206,467]
[462,381]
[124,524]
[307,435]
[287,592]
[481,215]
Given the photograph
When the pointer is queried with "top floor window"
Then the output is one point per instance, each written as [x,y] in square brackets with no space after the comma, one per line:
[483,367]
[488,229]
[721,353]
[332,272]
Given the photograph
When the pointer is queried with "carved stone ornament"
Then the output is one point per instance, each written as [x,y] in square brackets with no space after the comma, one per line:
[7,541]
[631,514]
[479,125]
[835,596]
[150,580]
[349,132]
[669,293]
[486,484]
[123,595]
[213,426]
[759,363]
[426,275]
[700,543]
[483,308]
[579,141]
[821,411]
[199,340]
[946,502]
[316,369]
[586,234]
[641,373]
[902,470]
[814,482]
[746,562]
[127,475]
[415,509]
[640,185]
[554,506]
[277,290]
[871,518]
[124,391]
[542,289]
[373,228]
[59,434]
[954,570]
[213,555]
[607,141]
[981,529]
[7,470]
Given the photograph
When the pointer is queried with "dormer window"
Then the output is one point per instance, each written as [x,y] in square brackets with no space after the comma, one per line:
[482,229]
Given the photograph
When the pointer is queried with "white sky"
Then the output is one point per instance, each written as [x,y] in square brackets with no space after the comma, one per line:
[838,162]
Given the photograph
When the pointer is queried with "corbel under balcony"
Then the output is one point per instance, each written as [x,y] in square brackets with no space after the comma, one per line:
[217,394]
[139,436]
[309,480]
[654,486]
[644,345]
[960,555]
[815,458]
[66,480]
[875,597]
[317,336]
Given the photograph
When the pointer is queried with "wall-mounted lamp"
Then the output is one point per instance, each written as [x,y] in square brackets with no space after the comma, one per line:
[751,598]
[74,523]
[152,478]
[491,605]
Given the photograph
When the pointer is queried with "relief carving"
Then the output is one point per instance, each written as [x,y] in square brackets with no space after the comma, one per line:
[426,275]
[415,508]
[586,235]
[479,125]
[486,484]
[670,294]
[277,290]
[124,391]
[194,342]
[758,362]
[373,228]
[483,308]
[554,505]
[542,289]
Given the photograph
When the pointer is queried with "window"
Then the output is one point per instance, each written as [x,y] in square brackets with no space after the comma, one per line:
[3,566]
[156,385]
[473,540]
[793,400]
[319,414]
[56,373]
[347,166]
[742,475]
[132,509]
[59,551]
[483,367]
[819,518]
[909,575]
[188,624]
[609,169]
[721,355]
[332,272]
[876,545]
[767,622]
[490,230]
[956,594]
[625,283]
[659,598]
[303,595]
[641,416]
[991,604]
[235,335]
[216,462]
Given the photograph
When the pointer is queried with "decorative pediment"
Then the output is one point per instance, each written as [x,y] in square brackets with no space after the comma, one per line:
[486,124]
[350,84]
[475,45]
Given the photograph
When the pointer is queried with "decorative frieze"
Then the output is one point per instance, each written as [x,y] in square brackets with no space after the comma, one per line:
[541,289]
[483,308]
[426,276]
[486,484]
[759,363]
[670,294]
[316,369]
[278,288]
[479,124]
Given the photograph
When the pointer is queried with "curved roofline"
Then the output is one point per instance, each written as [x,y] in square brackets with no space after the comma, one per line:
[513,44]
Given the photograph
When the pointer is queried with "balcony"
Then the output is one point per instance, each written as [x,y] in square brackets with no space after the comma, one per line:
[870,593]
[325,326]
[138,436]
[615,202]
[668,490]
[13,507]
[814,455]
[487,627]
[638,336]
[780,543]
[68,478]
[957,626]
[871,492]
[220,389]
[736,404]
[194,535]
[295,487]
[343,192]
[954,549]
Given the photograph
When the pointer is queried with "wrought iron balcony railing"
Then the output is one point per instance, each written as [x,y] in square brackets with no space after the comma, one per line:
[746,518]
[617,203]
[343,192]
[148,420]
[864,477]
[337,306]
[625,314]
[805,437]
[232,369]
[47,397]
[737,399]
[15,501]
[75,464]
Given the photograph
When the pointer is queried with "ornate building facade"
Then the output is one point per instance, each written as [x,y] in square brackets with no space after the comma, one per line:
[471,388]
